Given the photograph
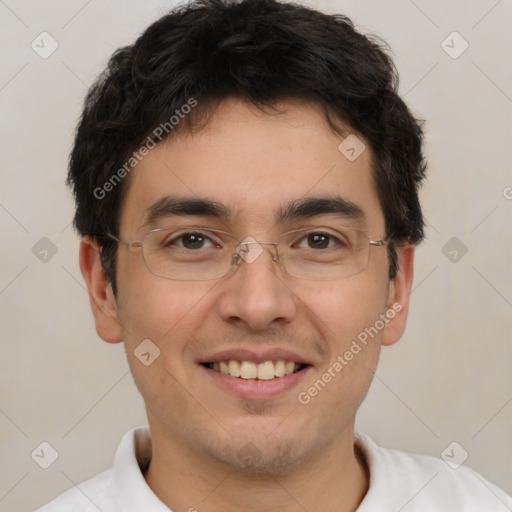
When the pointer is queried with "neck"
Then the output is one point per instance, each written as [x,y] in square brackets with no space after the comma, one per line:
[334,479]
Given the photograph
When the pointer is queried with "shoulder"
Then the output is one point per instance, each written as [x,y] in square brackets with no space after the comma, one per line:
[88,496]
[420,482]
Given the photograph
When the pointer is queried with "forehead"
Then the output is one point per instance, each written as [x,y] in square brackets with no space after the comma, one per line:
[255,164]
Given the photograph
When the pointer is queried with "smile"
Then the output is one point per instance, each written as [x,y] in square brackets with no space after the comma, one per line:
[266,370]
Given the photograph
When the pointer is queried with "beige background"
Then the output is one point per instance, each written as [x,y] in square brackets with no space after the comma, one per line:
[450,377]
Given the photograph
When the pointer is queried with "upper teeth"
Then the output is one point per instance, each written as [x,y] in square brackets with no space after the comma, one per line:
[250,370]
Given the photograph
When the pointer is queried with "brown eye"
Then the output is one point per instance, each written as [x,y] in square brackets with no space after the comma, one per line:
[318,240]
[193,240]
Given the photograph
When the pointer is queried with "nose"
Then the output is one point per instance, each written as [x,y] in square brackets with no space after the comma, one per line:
[256,294]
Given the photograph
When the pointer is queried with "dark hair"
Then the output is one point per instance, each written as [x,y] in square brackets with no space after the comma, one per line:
[262,51]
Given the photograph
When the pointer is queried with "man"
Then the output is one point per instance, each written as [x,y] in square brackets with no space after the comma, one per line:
[246,180]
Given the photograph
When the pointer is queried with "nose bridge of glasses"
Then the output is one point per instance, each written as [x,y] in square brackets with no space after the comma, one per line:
[250,249]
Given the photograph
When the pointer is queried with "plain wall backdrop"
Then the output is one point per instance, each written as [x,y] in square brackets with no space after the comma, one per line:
[449,378]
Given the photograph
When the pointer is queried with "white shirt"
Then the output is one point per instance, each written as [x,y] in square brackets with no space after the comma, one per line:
[398,482]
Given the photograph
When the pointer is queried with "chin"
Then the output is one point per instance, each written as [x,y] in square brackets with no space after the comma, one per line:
[273,445]
[256,457]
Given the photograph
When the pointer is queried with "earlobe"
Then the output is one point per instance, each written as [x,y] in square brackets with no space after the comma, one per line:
[398,298]
[101,297]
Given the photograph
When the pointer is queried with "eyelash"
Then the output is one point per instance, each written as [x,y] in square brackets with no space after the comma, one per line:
[175,239]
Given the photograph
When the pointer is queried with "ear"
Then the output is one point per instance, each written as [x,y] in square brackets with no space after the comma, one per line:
[101,296]
[398,297]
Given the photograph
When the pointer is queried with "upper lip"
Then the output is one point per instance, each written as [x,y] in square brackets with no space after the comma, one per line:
[240,354]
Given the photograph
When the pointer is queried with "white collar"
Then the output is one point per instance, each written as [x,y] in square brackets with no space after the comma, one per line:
[131,489]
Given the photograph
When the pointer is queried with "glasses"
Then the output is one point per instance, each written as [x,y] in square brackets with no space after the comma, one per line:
[200,254]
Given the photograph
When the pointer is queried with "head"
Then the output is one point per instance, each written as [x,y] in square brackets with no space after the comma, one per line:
[244,105]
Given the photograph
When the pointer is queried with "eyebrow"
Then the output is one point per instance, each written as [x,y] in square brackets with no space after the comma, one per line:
[312,206]
[170,206]
[294,210]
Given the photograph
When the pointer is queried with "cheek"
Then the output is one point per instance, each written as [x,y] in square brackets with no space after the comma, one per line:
[342,309]
[167,313]
[345,313]
[153,307]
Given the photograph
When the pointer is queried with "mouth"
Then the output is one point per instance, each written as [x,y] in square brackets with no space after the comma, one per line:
[250,370]
[256,375]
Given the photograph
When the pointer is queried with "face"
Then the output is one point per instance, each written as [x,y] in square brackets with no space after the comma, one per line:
[255,166]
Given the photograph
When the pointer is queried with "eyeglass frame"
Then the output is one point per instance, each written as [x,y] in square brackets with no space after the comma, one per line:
[236,257]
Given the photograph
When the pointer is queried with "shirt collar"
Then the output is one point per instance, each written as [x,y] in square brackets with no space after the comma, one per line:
[132,458]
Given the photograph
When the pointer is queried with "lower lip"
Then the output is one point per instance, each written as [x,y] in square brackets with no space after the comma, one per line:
[252,389]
